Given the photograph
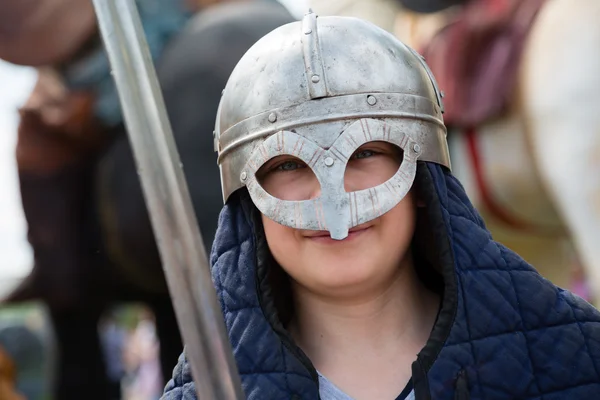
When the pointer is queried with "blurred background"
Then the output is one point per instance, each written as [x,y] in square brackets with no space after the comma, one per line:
[84,306]
[16,262]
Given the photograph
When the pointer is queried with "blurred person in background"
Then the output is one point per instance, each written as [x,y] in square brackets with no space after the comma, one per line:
[143,362]
[114,341]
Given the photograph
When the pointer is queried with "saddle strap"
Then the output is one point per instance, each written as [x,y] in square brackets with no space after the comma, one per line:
[489,202]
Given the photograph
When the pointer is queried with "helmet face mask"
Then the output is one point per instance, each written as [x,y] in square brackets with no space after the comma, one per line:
[334,210]
[318,91]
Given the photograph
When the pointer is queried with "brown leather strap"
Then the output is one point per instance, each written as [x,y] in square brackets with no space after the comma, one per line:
[490,204]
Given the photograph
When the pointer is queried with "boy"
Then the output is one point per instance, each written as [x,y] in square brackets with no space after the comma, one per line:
[348,260]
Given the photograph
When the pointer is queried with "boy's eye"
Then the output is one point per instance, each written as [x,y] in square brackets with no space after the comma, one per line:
[289,165]
[363,154]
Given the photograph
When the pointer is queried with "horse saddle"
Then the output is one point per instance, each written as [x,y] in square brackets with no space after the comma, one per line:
[476,58]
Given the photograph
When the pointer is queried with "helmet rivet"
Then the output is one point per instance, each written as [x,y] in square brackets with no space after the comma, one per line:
[329,161]
[308,31]
[244,176]
[272,117]
[442,94]
[416,148]
[315,79]
[371,100]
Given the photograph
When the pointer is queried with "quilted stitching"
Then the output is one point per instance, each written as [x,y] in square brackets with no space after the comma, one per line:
[181,386]
[526,336]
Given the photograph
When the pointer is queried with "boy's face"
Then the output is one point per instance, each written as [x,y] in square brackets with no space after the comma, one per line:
[369,257]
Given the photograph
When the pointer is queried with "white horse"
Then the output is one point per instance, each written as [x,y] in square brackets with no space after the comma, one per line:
[541,159]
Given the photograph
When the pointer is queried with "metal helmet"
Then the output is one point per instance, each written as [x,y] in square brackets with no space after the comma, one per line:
[318,90]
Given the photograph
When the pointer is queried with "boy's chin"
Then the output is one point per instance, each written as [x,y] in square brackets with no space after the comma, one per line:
[347,273]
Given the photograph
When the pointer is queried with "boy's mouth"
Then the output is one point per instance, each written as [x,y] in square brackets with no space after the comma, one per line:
[325,236]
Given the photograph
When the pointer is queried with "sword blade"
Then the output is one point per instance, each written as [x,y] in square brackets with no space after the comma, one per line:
[167,197]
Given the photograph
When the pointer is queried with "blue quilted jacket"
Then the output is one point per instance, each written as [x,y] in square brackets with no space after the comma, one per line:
[503,331]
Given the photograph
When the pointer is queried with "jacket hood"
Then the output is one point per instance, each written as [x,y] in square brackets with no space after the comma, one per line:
[503,331]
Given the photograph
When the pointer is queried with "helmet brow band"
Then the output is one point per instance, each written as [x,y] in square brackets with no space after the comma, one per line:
[388,105]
